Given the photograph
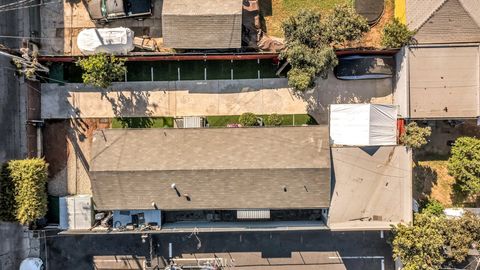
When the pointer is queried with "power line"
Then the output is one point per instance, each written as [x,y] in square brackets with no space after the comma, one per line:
[29,6]
[23,37]
[17,4]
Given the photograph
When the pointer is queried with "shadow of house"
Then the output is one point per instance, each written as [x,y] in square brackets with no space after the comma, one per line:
[261,249]
[333,91]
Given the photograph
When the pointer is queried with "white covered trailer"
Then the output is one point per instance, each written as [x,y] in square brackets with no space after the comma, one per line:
[117,41]
[363,124]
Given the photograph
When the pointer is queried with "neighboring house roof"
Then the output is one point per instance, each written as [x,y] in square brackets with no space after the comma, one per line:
[444,82]
[444,21]
[225,168]
[373,187]
[207,24]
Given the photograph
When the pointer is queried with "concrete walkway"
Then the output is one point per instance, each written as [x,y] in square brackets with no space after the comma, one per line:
[200,98]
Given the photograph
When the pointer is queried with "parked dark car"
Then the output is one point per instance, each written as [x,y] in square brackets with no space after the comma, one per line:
[106,10]
[364,67]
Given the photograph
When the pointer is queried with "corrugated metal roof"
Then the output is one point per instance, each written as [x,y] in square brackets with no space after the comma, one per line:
[208,24]
[227,168]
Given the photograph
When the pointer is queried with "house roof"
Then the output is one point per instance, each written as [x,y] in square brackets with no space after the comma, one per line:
[227,168]
[373,187]
[451,89]
[208,24]
[444,21]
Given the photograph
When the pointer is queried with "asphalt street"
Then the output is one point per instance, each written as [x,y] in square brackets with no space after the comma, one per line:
[12,108]
[326,249]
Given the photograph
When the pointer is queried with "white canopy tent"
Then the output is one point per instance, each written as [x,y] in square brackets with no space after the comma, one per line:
[363,124]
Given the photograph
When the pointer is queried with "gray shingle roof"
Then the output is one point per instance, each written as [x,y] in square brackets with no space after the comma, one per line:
[207,24]
[231,168]
[444,21]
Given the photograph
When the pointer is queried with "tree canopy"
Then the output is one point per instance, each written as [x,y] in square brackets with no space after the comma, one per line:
[396,35]
[344,25]
[464,165]
[101,70]
[415,136]
[434,241]
[310,42]
[419,246]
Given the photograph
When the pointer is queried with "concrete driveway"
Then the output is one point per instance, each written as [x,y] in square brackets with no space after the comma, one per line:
[212,97]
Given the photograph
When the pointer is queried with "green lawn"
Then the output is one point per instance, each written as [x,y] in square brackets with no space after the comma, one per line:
[288,120]
[222,121]
[143,122]
[321,5]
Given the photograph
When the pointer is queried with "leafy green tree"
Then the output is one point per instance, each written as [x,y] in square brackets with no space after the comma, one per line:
[29,177]
[396,35]
[464,165]
[433,207]
[304,28]
[345,24]
[415,136]
[273,120]
[310,40]
[7,195]
[101,70]
[301,79]
[419,246]
[248,119]
[435,240]
[460,234]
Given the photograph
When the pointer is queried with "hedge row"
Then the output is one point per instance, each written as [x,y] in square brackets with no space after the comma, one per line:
[23,195]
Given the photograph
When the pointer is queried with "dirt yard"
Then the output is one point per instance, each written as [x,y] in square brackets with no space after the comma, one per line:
[280,10]
[374,37]
[431,179]
[283,9]
[431,174]
[67,151]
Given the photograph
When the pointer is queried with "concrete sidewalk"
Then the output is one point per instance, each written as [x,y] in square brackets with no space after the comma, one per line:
[212,97]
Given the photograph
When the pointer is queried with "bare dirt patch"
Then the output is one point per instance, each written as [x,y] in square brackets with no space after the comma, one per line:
[67,151]
[55,145]
[431,179]
[373,38]
[281,10]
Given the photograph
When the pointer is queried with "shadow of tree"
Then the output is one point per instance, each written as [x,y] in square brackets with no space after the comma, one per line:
[462,199]
[131,109]
[424,178]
